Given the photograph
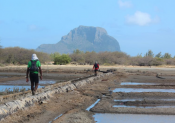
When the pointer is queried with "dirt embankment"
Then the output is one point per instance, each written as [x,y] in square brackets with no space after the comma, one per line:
[71,105]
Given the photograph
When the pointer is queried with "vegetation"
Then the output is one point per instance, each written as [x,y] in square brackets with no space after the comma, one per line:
[17,55]
[53,55]
[62,59]
[149,54]
[102,57]
[120,58]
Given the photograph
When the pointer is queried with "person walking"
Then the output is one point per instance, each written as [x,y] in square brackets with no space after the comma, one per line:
[33,67]
[95,68]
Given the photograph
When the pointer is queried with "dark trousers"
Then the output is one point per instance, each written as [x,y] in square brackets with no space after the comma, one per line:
[95,72]
[34,81]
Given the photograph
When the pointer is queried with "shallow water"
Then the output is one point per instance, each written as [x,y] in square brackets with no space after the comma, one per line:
[133,118]
[128,90]
[11,87]
[126,106]
[47,82]
[136,83]
[141,99]
[3,77]
[92,105]
[23,82]
[124,100]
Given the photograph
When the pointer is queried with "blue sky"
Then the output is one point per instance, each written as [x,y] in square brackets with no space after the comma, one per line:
[138,25]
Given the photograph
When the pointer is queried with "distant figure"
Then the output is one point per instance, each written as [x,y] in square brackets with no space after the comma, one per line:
[33,66]
[95,68]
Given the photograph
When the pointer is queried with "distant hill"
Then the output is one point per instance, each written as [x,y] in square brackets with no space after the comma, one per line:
[84,38]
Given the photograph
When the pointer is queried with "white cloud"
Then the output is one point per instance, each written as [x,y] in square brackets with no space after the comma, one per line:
[141,19]
[125,4]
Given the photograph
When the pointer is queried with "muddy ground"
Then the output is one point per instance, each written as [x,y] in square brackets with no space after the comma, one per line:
[71,107]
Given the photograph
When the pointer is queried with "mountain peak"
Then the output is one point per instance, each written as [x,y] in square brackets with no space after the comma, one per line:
[89,33]
[84,38]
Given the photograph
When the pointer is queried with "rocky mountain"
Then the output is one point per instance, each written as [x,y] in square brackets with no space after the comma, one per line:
[84,38]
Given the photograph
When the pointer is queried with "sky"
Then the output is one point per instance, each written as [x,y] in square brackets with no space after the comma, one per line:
[138,25]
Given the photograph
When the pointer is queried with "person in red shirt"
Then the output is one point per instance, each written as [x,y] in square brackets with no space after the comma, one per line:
[95,68]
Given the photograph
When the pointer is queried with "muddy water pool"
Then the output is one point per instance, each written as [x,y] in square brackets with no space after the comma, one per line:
[150,103]
[23,82]
[124,100]
[146,106]
[142,83]
[133,118]
[12,87]
[141,99]
[137,83]
[93,105]
[3,76]
[128,90]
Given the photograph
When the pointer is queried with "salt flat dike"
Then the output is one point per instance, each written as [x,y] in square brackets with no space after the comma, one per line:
[47,92]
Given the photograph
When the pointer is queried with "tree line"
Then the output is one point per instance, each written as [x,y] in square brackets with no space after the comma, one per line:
[120,58]
[17,55]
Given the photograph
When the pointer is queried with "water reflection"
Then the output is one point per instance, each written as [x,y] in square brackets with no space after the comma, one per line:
[128,90]
[133,118]
[136,83]
[141,99]
[47,82]
[92,105]
[124,100]
[23,82]
[12,87]
[3,77]
[126,106]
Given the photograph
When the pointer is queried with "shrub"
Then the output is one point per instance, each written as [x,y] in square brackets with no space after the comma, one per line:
[53,55]
[157,61]
[62,59]
[17,55]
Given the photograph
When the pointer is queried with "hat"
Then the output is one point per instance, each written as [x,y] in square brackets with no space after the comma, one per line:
[34,57]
